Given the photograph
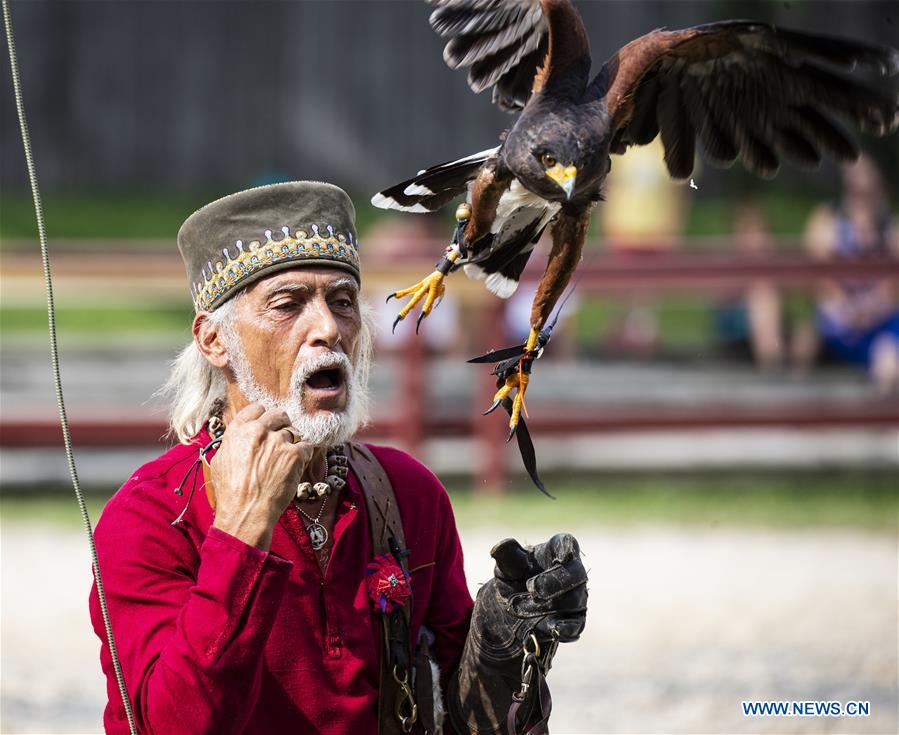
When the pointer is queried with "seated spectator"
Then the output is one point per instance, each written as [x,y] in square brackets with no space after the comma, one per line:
[858,318]
[630,228]
[749,325]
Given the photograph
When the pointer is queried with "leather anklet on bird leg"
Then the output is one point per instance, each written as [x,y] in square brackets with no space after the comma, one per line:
[518,379]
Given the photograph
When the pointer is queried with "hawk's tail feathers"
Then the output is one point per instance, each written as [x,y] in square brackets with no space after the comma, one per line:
[433,187]
[501,263]
[504,281]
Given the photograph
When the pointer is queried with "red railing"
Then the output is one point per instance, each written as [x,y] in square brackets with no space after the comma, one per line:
[649,272]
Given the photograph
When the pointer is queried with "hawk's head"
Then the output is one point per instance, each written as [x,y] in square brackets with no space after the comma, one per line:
[555,158]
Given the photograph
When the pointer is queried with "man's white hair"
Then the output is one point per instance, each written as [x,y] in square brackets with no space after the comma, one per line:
[194,386]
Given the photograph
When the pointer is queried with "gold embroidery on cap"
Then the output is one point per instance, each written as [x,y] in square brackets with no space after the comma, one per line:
[221,277]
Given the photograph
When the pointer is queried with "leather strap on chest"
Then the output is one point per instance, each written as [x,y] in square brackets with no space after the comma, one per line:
[397,711]
[383,512]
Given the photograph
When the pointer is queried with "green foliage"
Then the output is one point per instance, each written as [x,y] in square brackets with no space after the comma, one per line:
[785,215]
[857,499]
[866,500]
[98,319]
[119,216]
[682,320]
[58,508]
[122,216]
[134,215]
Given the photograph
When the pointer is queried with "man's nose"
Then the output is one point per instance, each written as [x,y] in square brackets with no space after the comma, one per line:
[323,330]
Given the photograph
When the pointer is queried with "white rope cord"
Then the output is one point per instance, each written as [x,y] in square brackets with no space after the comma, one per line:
[54,359]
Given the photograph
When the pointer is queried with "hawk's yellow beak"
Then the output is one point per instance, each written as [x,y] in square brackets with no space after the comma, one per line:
[564,176]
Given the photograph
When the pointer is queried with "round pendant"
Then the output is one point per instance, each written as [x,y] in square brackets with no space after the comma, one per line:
[318,535]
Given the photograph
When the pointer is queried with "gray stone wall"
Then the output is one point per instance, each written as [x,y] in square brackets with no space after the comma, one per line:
[152,93]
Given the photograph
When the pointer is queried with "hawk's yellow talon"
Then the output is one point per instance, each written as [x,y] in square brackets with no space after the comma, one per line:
[433,295]
[431,288]
[518,402]
[502,393]
[517,374]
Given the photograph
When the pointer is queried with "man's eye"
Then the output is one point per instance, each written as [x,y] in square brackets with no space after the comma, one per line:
[342,300]
[284,305]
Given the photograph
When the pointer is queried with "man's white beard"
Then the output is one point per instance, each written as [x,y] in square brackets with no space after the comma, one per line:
[322,429]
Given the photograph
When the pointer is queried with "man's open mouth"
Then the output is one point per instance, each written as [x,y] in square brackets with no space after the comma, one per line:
[329,380]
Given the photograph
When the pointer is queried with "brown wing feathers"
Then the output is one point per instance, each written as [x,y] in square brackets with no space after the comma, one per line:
[841,52]
[712,129]
[676,127]
[746,90]
[501,42]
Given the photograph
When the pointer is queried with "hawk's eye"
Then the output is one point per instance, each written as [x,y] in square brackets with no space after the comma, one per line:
[548,160]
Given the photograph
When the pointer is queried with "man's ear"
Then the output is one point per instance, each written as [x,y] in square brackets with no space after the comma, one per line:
[209,340]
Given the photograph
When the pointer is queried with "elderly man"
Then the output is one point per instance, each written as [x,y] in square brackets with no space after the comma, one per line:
[311,584]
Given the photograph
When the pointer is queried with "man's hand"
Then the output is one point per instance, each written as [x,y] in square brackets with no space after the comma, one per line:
[541,590]
[255,474]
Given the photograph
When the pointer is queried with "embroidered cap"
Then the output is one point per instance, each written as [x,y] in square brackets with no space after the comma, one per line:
[237,239]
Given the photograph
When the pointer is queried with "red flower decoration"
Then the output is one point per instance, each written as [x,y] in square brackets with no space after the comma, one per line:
[388,585]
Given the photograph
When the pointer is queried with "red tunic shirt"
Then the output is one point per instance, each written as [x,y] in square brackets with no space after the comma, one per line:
[216,636]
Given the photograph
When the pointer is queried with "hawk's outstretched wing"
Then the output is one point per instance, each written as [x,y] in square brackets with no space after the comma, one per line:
[434,187]
[501,42]
[745,90]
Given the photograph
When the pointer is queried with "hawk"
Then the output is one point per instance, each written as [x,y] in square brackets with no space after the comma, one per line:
[735,89]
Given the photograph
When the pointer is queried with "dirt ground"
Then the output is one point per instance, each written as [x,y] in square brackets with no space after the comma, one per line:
[684,624]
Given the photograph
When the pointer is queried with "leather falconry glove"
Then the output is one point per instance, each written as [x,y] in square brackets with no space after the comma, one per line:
[536,599]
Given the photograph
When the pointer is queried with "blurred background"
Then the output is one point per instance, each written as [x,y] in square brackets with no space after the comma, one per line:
[717,413]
